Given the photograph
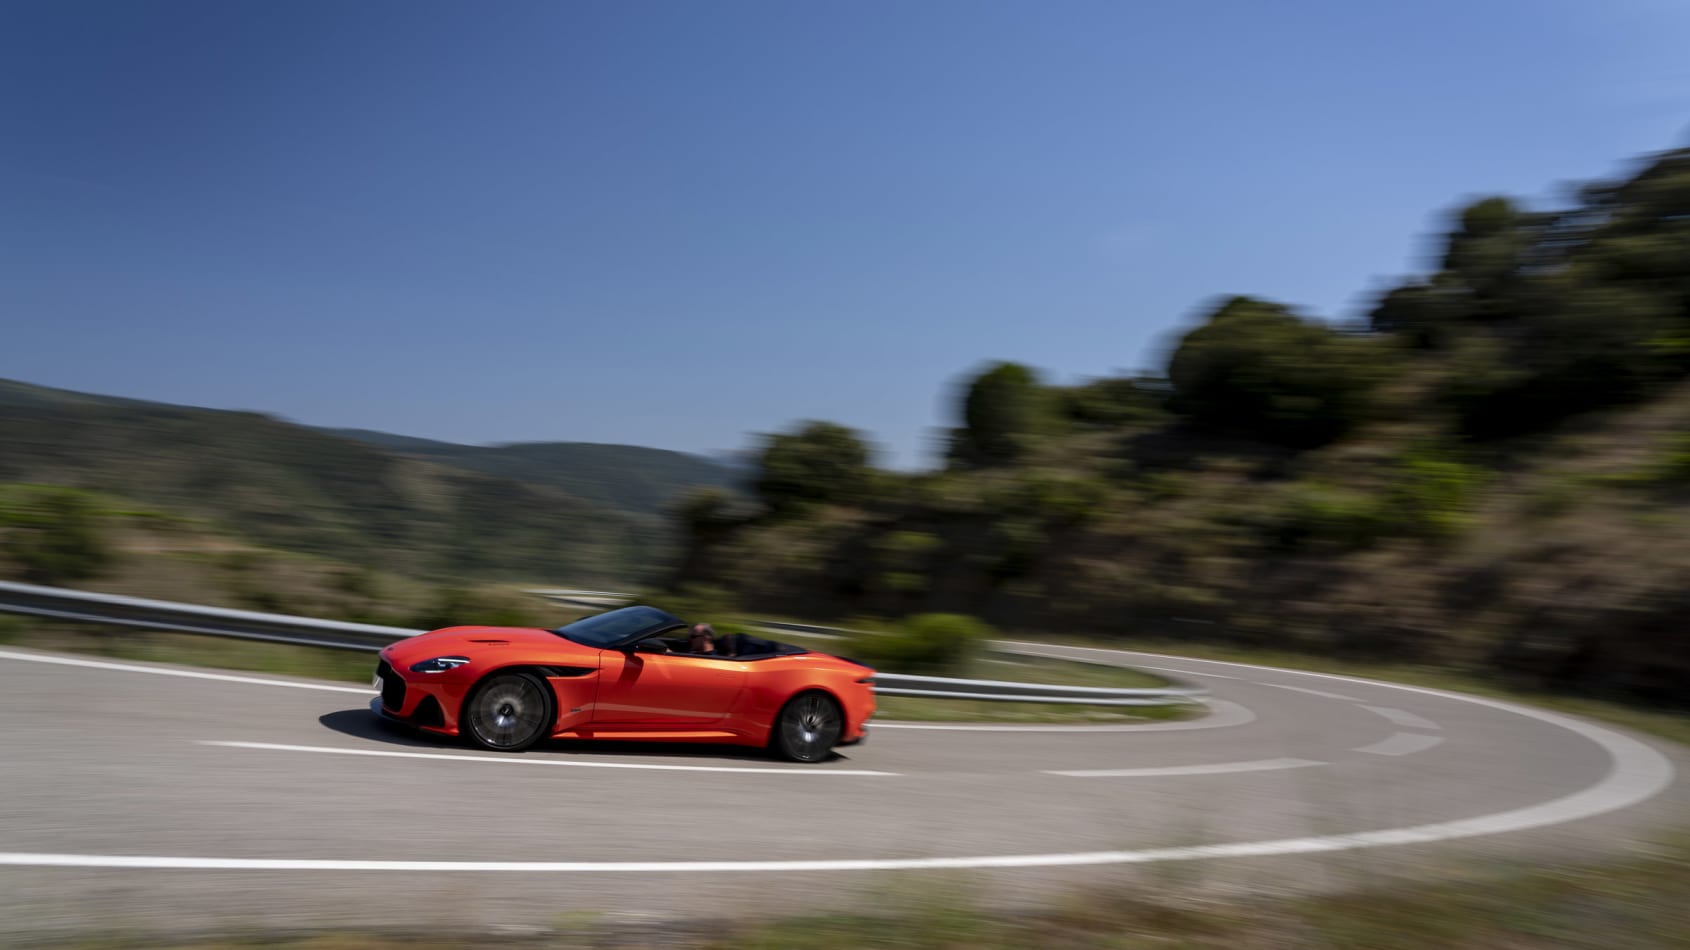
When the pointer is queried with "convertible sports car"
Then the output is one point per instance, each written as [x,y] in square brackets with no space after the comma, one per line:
[624,674]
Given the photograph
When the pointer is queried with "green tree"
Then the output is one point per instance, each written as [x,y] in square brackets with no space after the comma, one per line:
[820,463]
[1255,368]
[1491,257]
[706,518]
[1001,410]
[1114,402]
[1547,314]
[1486,253]
[707,513]
[1419,312]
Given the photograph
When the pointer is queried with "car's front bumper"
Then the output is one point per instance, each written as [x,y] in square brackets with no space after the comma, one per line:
[423,705]
[385,713]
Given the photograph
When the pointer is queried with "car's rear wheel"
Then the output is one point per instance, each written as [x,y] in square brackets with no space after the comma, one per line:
[508,712]
[808,727]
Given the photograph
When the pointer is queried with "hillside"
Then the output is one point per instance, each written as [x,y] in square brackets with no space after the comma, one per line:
[294,488]
[627,477]
[1492,473]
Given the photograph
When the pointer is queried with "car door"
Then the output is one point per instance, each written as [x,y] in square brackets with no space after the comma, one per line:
[667,689]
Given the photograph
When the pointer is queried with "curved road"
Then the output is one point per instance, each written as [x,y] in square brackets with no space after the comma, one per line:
[146,798]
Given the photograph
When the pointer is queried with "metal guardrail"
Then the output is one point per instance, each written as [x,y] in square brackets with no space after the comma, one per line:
[583,598]
[940,687]
[807,629]
[61,604]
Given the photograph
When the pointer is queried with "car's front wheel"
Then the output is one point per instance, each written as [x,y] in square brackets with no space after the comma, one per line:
[808,727]
[508,712]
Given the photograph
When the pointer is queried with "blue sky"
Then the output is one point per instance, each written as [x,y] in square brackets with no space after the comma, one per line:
[680,224]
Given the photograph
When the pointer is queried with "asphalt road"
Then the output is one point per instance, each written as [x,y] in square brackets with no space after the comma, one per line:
[139,798]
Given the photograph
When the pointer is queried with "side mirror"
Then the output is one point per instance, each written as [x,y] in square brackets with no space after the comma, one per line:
[650,646]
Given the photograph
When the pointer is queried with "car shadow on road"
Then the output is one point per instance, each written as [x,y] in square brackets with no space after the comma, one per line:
[366,725]
[363,724]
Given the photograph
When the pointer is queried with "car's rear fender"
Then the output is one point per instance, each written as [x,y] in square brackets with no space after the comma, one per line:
[756,718]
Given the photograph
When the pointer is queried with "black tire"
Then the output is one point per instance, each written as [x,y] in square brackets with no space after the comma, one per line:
[508,712]
[808,727]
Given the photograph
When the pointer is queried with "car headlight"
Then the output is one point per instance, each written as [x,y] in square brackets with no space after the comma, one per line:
[439,664]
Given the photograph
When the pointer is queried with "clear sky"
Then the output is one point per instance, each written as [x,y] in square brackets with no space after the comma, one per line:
[679,224]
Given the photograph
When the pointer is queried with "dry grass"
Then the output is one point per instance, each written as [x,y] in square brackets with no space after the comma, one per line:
[1635,904]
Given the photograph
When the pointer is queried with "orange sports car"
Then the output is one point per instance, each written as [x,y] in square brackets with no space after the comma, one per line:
[624,674]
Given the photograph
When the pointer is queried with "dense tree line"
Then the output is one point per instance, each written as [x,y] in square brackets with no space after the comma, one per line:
[1389,488]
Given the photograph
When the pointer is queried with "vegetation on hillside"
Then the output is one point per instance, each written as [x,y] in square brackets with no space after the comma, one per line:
[92,540]
[49,535]
[1492,472]
[622,477]
[294,488]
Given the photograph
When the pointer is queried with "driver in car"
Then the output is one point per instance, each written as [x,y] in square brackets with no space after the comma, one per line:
[701,639]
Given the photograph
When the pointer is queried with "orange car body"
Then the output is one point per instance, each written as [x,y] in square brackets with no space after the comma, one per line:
[608,693]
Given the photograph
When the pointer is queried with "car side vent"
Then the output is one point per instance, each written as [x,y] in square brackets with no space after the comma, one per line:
[564,671]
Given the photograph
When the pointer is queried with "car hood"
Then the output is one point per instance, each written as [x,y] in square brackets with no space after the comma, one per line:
[477,642]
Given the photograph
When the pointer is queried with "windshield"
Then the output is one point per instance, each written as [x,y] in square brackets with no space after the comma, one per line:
[617,626]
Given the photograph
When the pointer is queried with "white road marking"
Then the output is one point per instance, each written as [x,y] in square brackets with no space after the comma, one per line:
[1221,713]
[1312,692]
[528,760]
[1402,743]
[189,674]
[1260,765]
[1403,717]
[1169,669]
[1058,652]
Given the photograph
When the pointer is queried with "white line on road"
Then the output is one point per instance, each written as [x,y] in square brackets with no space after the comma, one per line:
[1259,765]
[529,760]
[1059,652]
[1402,743]
[1403,717]
[189,674]
[1169,669]
[1312,692]
[1221,713]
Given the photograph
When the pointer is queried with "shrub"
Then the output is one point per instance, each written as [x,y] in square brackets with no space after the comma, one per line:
[1433,495]
[456,606]
[694,603]
[1317,512]
[1428,496]
[905,560]
[922,644]
[52,533]
[1673,467]
[1012,548]
[908,546]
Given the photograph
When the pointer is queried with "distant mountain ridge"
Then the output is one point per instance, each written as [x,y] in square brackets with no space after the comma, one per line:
[410,504]
[630,477]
